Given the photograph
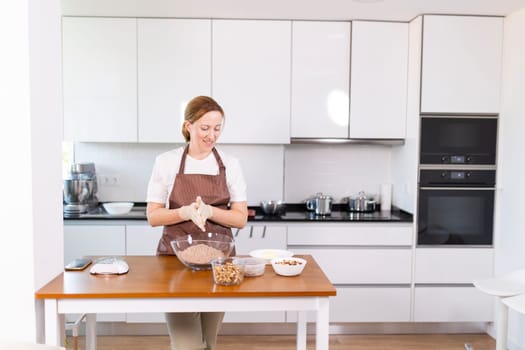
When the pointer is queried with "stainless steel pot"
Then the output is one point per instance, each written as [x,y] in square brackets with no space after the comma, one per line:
[321,204]
[78,191]
[361,203]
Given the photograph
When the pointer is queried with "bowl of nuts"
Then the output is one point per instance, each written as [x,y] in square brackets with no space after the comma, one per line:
[291,266]
[227,271]
[196,251]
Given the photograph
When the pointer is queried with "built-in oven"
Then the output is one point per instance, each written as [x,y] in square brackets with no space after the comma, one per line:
[458,140]
[456,207]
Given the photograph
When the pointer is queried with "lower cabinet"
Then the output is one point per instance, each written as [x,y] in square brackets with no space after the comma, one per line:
[443,289]
[367,304]
[452,304]
[369,264]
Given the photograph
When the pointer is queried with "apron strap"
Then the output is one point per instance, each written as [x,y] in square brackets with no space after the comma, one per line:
[182,165]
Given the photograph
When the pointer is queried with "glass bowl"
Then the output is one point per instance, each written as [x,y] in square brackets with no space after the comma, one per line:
[228,271]
[196,251]
[253,266]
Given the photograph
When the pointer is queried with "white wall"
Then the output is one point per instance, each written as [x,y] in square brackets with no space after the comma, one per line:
[30,134]
[510,226]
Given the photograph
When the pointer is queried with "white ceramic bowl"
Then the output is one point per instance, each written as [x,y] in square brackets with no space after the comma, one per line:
[291,266]
[270,254]
[253,266]
[118,208]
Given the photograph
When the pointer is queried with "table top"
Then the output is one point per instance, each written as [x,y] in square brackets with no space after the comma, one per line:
[165,276]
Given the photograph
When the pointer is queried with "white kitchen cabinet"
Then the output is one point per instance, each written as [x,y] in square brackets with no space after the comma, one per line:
[452,304]
[461,64]
[251,79]
[251,237]
[320,79]
[100,79]
[366,304]
[142,239]
[370,265]
[95,240]
[379,78]
[174,65]
[453,265]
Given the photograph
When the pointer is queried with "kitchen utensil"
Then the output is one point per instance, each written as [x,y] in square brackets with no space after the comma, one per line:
[273,207]
[288,266]
[321,204]
[78,191]
[197,250]
[118,208]
[361,203]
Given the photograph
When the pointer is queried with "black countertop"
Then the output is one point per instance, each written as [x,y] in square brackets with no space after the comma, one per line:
[295,212]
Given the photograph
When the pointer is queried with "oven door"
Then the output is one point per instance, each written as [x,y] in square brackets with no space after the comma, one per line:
[455,216]
[453,140]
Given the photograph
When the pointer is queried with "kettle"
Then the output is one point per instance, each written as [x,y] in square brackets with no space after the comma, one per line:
[321,204]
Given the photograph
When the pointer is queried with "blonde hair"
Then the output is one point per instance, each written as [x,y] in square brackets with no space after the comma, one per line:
[195,109]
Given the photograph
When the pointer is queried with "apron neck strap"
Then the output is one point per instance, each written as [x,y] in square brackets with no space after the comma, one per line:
[215,153]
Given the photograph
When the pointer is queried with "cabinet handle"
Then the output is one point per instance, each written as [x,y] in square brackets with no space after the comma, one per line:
[251,231]
[237,232]
[264,231]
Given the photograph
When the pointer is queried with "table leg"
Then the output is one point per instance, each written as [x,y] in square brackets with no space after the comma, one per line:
[502,318]
[91,332]
[322,325]
[301,330]
[51,322]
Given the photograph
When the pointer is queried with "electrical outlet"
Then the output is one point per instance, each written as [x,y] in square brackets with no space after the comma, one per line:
[108,180]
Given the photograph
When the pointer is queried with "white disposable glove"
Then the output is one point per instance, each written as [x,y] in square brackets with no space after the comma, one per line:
[190,212]
[204,209]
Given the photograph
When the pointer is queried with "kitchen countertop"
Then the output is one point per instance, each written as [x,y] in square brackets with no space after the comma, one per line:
[295,212]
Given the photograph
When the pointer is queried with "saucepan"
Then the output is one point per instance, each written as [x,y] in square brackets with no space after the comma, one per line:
[361,203]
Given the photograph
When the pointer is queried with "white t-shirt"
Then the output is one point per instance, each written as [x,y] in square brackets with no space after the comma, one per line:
[167,166]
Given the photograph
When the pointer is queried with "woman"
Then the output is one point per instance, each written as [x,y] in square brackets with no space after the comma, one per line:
[189,192]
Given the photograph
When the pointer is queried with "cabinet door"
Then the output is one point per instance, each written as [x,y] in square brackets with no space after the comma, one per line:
[259,237]
[379,75]
[320,79]
[452,304]
[97,240]
[100,79]
[461,68]
[142,239]
[251,79]
[174,65]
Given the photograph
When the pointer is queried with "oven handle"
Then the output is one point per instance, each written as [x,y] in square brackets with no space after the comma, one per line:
[459,188]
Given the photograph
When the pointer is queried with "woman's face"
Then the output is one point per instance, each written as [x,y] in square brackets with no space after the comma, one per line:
[205,131]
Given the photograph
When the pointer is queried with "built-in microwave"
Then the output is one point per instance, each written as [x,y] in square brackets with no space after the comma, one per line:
[450,140]
[456,207]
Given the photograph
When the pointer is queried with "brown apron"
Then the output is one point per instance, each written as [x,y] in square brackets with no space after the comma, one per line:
[213,190]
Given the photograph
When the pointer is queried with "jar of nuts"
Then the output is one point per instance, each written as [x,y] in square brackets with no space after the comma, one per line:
[227,271]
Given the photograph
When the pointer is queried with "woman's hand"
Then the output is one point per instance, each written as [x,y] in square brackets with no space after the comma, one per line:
[205,210]
[191,212]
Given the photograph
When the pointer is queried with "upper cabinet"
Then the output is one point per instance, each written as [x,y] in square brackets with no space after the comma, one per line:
[461,67]
[100,79]
[174,65]
[320,79]
[251,79]
[379,76]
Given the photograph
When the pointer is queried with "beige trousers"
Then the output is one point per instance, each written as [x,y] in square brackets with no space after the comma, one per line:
[194,330]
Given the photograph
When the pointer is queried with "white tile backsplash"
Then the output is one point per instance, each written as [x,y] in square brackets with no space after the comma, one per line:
[289,172]
[338,170]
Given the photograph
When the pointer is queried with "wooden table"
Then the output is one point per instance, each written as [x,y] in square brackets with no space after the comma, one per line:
[163,284]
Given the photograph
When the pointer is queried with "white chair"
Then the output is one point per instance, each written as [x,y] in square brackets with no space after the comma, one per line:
[503,287]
